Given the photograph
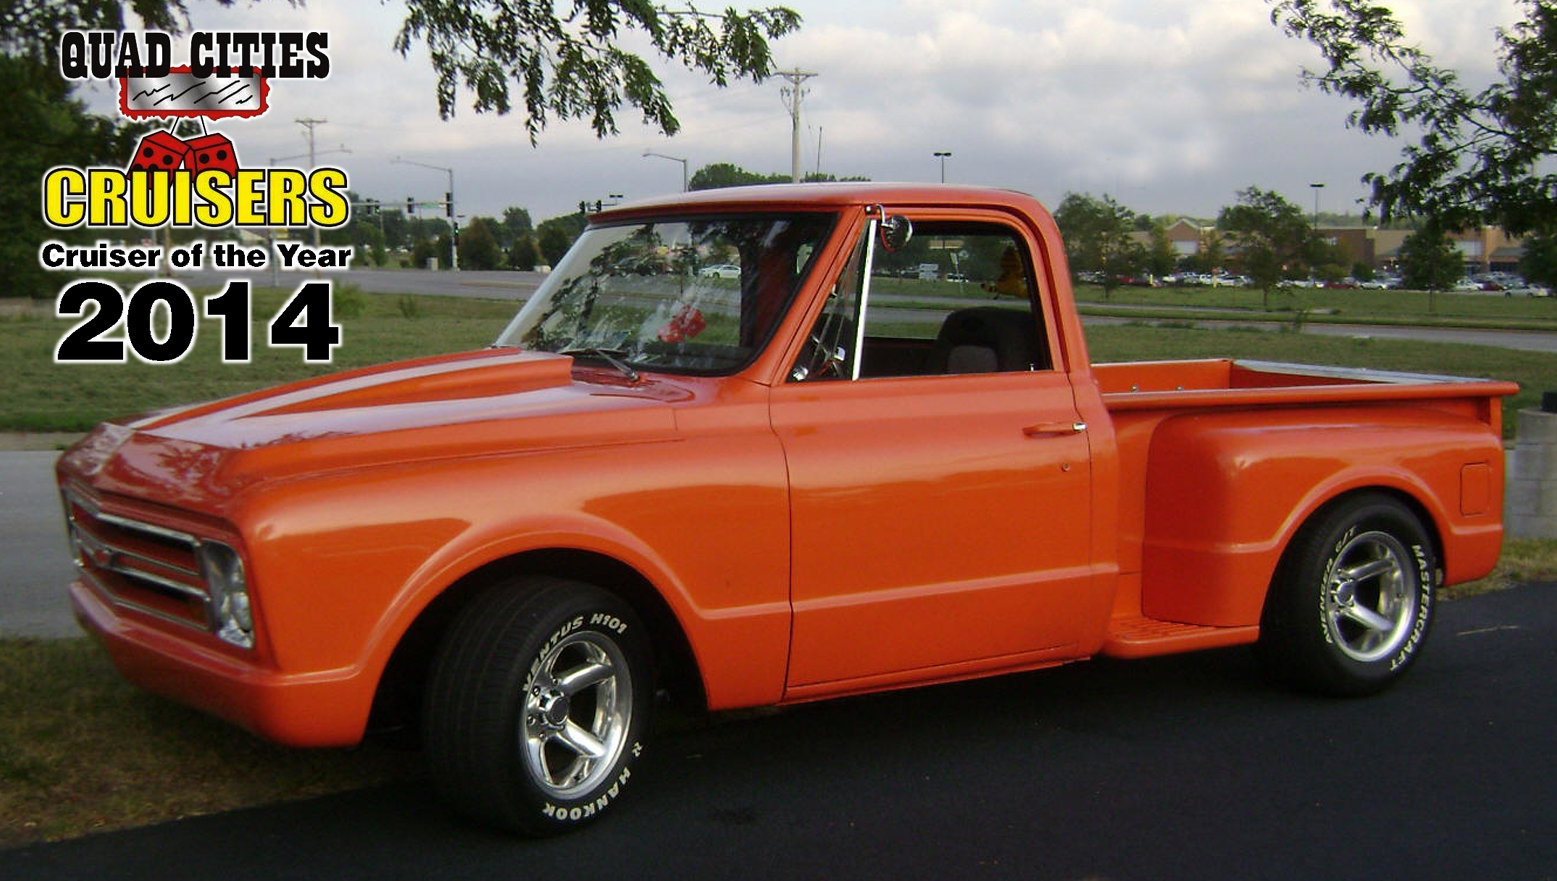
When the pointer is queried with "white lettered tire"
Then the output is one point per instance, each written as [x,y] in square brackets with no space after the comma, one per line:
[536,705]
[1352,600]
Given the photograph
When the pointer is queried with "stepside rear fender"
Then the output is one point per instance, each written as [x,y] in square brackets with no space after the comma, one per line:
[1226,492]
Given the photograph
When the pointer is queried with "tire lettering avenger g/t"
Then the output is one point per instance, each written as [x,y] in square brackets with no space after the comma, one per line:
[1351,603]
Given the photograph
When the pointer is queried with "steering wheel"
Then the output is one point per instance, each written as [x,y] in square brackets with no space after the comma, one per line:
[826,361]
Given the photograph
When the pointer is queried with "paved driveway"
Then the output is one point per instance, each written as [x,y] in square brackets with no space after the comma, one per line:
[36,557]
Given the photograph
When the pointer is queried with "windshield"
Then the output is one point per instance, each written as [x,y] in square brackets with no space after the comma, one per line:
[683,295]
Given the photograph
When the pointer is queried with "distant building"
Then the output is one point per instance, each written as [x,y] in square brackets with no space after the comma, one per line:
[1187,237]
[1488,249]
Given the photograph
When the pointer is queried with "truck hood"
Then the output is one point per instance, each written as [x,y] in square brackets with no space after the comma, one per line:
[490,402]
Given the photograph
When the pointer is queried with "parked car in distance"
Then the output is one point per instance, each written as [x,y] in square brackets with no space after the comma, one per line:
[720,270]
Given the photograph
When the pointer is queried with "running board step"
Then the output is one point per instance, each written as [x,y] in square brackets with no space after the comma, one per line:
[1144,637]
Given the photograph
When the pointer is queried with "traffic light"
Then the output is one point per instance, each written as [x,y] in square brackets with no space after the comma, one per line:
[410,206]
[448,204]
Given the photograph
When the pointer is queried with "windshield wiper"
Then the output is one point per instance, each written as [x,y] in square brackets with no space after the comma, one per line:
[610,356]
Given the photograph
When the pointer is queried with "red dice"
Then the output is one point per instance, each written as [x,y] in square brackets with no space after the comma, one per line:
[161,151]
[212,153]
[685,323]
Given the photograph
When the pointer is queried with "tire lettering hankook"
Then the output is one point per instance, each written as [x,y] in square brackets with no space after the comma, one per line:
[584,812]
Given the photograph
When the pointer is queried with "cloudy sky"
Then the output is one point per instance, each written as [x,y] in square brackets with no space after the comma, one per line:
[1171,106]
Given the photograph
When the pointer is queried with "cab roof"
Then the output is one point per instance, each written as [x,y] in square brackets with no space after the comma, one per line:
[841,194]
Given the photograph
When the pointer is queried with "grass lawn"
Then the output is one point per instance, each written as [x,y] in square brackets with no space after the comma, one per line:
[44,396]
[81,751]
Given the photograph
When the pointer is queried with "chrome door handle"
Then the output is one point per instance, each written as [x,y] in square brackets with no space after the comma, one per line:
[1049,429]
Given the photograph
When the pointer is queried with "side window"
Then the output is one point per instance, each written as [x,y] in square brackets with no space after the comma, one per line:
[957,299]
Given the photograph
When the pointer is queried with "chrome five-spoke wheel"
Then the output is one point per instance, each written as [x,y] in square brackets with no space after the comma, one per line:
[576,712]
[1352,599]
[1369,604]
[537,703]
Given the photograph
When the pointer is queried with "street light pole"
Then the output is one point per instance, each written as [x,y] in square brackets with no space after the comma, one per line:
[943,155]
[685,180]
[454,222]
[1316,188]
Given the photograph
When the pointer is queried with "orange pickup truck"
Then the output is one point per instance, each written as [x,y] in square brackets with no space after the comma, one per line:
[739,449]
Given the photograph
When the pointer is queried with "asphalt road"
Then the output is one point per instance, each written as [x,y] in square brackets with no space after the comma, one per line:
[1185,767]
[36,557]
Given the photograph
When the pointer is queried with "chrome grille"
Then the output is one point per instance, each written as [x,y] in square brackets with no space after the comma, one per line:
[142,565]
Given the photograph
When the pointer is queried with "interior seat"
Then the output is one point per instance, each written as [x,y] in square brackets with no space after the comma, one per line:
[986,339]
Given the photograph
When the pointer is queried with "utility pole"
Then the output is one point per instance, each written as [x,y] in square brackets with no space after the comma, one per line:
[309,122]
[793,95]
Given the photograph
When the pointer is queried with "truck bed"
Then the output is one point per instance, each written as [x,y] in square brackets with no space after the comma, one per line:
[1220,459]
[1150,385]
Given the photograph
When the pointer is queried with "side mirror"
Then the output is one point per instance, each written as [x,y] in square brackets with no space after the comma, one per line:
[895,232]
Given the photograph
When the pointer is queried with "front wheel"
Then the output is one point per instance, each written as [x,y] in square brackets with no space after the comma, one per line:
[536,705]
[1352,600]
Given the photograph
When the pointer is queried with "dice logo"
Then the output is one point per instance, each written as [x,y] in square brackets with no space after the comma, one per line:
[212,153]
[685,323]
[161,151]
[164,151]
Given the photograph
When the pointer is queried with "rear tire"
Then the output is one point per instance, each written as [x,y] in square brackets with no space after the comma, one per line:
[1352,601]
[536,705]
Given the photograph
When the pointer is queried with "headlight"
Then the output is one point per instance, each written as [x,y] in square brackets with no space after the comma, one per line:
[231,617]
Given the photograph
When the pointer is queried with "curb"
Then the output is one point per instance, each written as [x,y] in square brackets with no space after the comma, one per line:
[38,440]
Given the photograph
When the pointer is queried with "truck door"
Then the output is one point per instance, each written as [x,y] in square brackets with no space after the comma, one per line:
[939,472]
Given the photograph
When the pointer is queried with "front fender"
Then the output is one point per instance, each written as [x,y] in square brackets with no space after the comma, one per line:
[344,564]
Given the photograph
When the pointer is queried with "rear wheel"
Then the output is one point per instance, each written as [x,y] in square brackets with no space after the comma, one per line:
[536,705]
[1352,601]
